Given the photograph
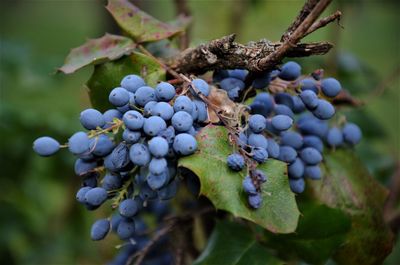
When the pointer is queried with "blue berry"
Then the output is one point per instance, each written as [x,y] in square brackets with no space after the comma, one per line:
[284,99]
[310,99]
[257,123]
[139,154]
[158,147]
[281,109]
[298,105]
[169,191]
[157,181]
[296,169]
[96,196]
[149,108]
[46,146]
[80,195]
[248,186]
[262,81]
[334,137]
[82,167]
[154,125]
[330,87]
[201,86]
[255,200]
[133,120]
[260,154]
[287,154]
[91,119]
[273,148]
[78,143]
[163,110]
[185,144]
[324,110]
[182,121]
[312,172]
[257,140]
[144,94]
[130,136]
[297,185]
[313,127]
[157,166]
[310,156]
[101,145]
[165,91]
[292,139]
[110,115]
[309,84]
[119,97]
[234,94]
[126,229]
[183,103]
[132,83]
[202,109]
[231,83]
[313,141]
[352,134]
[168,134]
[128,208]
[100,229]
[259,175]
[281,122]
[238,73]
[118,159]
[111,181]
[290,71]
[235,161]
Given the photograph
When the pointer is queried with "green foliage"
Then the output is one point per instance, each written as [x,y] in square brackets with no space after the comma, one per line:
[109,75]
[95,51]
[234,244]
[138,24]
[348,186]
[321,230]
[278,213]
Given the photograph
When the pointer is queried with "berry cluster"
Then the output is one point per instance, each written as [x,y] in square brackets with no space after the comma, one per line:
[289,125]
[129,154]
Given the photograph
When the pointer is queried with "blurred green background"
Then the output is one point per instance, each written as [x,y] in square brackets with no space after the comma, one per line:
[40,222]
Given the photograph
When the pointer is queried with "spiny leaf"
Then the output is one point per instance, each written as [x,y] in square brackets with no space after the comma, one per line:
[223,186]
[348,186]
[139,25]
[234,244]
[95,51]
[109,75]
[321,230]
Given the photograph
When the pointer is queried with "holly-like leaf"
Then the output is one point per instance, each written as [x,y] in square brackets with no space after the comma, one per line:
[348,186]
[278,213]
[321,230]
[139,25]
[109,75]
[234,244]
[95,51]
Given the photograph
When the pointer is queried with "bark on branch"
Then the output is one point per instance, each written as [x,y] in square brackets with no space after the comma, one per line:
[225,53]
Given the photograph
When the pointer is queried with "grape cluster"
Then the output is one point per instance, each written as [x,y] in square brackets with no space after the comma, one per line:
[129,153]
[290,125]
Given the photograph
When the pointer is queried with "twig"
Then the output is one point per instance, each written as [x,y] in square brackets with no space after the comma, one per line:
[170,224]
[304,12]
[323,22]
[182,9]
[274,58]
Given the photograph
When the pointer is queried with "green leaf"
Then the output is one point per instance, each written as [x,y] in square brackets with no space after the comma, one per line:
[139,25]
[234,244]
[348,186]
[321,230]
[95,51]
[223,187]
[109,75]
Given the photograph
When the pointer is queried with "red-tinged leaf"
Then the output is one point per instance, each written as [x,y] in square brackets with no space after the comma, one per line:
[139,25]
[95,51]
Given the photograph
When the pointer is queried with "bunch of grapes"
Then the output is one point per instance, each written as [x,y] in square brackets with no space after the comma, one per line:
[129,154]
[289,125]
